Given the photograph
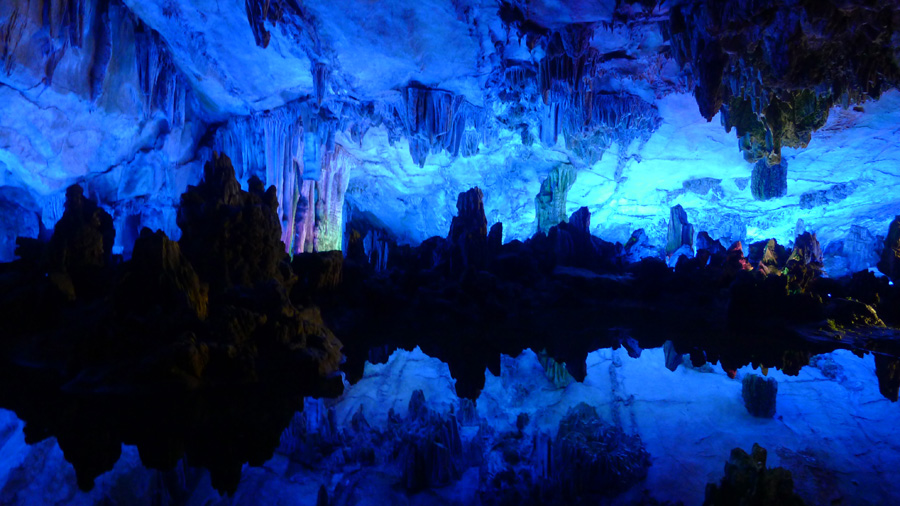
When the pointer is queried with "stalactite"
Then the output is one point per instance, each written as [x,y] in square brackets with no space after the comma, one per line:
[10,35]
[163,88]
[435,120]
[304,229]
[293,149]
[779,75]
[330,204]
[102,48]
[576,106]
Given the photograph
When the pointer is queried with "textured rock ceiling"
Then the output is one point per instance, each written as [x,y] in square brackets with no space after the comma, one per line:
[390,109]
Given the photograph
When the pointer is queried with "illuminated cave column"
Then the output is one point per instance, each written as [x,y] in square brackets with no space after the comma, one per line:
[318,221]
[550,202]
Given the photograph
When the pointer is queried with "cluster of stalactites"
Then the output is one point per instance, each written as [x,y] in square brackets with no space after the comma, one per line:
[318,224]
[576,106]
[260,12]
[293,148]
[435,120]
[776,69]
[163,87]
[94,29]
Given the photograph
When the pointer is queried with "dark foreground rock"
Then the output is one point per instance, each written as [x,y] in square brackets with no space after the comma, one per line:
[190,348]
[748,481]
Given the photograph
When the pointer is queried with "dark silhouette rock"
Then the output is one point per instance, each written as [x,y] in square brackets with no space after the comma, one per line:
[495,239]
[888,371]
[595,459]
[231,236]
[890,255]
[707,243]
[468,232]
[580,221]
[747,480]
[673,358]
[159,275]
[317,273]
[81,246]
[759,395]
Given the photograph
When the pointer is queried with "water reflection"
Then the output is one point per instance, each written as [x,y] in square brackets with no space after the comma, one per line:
[401,435]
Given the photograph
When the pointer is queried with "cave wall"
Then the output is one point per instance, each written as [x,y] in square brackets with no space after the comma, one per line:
[392,110]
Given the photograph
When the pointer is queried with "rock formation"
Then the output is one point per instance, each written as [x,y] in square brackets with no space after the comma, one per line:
[550,202]
[769,181]
[593,459]
[468,232]
[747,480]
[890,256]
[680,232]
[759,395]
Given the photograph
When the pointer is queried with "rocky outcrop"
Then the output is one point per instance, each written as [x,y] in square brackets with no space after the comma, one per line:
[747,480]
[594,459]
[431,454]
[680,232]
[160,280]
[805,263]
[468,232]
[638,247]
[707,243]
[759,395]
[769,181]
[233,237]
[150,332]
[776,69]
[890,255]
[81,246]
[550,202]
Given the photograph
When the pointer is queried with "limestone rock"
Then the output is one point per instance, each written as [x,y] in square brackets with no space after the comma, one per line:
[680,231]
[759,395]
[468,232]
[769,181]
[82,242]
[550,202]
[594,459]
[748,481]
[160,275]
[705,242]
[638,247]
[231,236]
[890,255]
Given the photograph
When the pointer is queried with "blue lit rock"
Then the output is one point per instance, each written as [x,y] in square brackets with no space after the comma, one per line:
[759,395]
[680,232]
[890,256]
[769,181]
